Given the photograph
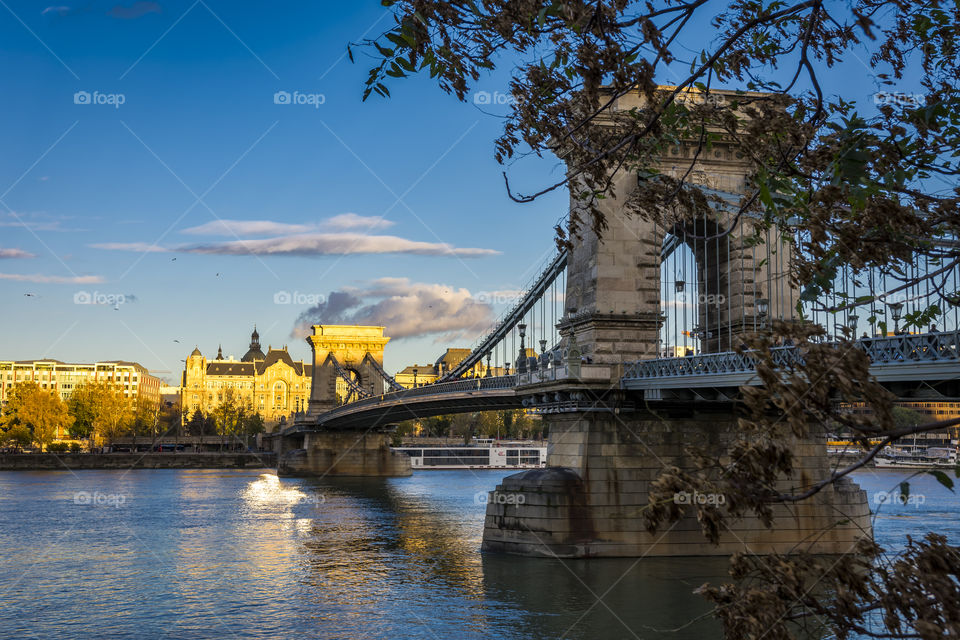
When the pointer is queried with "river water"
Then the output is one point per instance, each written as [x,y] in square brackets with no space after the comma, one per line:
[243,554]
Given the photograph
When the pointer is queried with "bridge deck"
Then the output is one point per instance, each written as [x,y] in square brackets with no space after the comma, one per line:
[926,359]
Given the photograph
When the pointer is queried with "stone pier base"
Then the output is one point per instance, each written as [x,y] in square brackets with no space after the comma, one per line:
[344,453]
[589,501]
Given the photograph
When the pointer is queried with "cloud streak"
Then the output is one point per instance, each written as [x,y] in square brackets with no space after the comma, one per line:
[405,309]
[334,244]
[244,228]
[15,253]
[139,247]
[309,245]
[43,279]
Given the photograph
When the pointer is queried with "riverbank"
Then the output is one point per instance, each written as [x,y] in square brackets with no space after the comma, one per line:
[204,460]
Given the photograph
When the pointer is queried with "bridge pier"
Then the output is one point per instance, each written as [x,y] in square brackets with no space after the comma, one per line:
[589,501]
[344,453]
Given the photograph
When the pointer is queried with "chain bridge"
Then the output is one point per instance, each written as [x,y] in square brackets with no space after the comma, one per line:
[628,349]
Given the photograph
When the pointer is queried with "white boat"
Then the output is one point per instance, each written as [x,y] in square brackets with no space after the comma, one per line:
[483,455]
[931,458]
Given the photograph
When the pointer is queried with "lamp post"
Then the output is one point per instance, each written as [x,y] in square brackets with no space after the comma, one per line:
[522,357]
[488,365]
[852,323]
[763,307]
[414,378]
[895,309]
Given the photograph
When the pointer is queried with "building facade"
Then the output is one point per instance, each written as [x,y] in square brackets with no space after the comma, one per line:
[421,374]
[271,384]
[62,377]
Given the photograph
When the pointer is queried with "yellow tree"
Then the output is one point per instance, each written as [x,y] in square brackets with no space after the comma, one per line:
[110,412]
[230,415]
[146,417]
[41,411]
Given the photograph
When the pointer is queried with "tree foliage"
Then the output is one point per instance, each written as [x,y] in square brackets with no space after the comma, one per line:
[42,412]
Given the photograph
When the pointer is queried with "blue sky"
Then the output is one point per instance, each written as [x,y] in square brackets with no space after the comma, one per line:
[141,205]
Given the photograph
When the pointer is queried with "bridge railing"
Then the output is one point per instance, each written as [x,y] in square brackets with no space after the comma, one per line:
[457,386]
[903,349]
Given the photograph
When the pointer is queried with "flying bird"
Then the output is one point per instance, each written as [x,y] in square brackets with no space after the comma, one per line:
[173,259]
[30,295]
[177,341]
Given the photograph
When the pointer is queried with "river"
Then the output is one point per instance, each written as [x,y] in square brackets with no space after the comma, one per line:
[243,554]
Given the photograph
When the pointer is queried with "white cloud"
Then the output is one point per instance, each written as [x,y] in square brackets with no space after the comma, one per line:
[42,279]
[405,309]
[347,221]
[327,244]
[245,228]
[36,222]
[15,253]
[248,228]
[140,247]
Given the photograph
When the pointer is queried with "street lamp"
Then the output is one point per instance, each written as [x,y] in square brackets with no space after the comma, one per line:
[895,309]
[522,358]
[763,307]
[414,378]
[852,322]
[488,365]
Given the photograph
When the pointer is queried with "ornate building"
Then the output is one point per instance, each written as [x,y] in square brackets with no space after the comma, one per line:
[271,384]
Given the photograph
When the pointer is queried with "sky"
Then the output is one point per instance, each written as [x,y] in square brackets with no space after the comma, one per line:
[174,173]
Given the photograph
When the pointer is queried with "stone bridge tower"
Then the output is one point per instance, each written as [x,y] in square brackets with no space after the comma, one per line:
[606,445]
[358,350]
[614,284]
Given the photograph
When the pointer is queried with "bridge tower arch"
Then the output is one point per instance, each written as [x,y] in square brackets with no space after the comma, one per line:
[354,348]
[615,299]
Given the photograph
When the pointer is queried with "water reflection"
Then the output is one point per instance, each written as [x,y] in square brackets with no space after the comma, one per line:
[196,553]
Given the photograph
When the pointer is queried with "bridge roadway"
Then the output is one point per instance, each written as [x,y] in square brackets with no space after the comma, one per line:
[923,366]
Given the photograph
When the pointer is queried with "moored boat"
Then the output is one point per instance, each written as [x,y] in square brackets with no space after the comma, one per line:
[916,458]
[483,455]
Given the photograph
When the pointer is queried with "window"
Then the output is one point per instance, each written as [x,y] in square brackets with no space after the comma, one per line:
[280,395]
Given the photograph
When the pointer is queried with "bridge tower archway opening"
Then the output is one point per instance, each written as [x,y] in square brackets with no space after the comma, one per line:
[345,387]
[721,278]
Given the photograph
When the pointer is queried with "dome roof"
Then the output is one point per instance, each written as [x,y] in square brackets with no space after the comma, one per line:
[253,354]
[196,352]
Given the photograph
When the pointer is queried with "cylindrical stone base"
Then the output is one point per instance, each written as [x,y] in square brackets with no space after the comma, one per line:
[589,501]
